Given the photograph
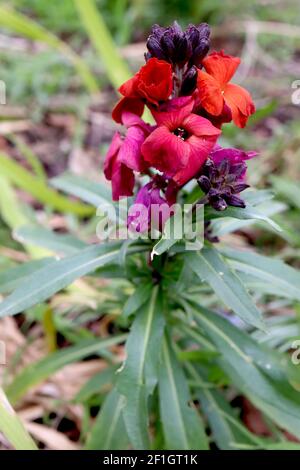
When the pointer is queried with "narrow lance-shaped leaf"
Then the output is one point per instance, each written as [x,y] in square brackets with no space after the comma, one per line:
[39,236]
[12,427]
[217,410]
[12,277]
[279,275]
[39,371]
[48,280]
[109,432]
[182,426]
[211,267]
[138,376]
[264,386]
[246,213]
[83,188]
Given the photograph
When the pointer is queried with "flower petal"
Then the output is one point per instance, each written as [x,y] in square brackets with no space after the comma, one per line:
[221,66]
[129,88]
[112,155]
[172,113]
[200,126]
[199,151]
[165,151]
[132,105]
[122,181]
[210,93]
[130,151]
[240,103]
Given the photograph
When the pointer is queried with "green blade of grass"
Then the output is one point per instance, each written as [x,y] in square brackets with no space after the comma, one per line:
[12,427]
[36,373]
[13,215]
[31,158]
[23,179]
[28,28]
[116,68]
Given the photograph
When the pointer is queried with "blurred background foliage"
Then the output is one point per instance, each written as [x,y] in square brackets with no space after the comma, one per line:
[60,73]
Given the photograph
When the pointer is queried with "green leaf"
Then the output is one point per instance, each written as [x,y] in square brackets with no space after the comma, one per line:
[171,234]
[11,278]
[48,280]
[246,213]
[211,267]
[109,432]
[100,37]
[254,370]
[225,426]
[212,403]
[27,28]
[13,213]
[86,190]
[138,376]
[96,384]
[226,225]
[39,371]
[182,426]
[287,188]
[23,179]
[31,158]
[39,236]
[279,275]
[12,427]
[139,297]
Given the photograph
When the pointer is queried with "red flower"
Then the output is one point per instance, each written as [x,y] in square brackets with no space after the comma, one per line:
[215,89]
[131,105]
[182,141]
[124,156]
[153,82]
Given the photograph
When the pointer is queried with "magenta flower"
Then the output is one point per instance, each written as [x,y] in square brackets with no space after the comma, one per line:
[124,156]
[152,206]
[235,156]
[182,141]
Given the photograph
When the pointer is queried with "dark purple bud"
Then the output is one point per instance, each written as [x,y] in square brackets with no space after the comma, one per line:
[167,44]
[200,52]
[154,48]
[182,49]
[239,187]
[189,82]
[222,182]
[157,31]
[198,37]
[235,201]
[204,183]
[176,28]
[218,203]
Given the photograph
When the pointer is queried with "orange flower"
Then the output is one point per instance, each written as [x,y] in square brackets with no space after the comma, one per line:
[215,89]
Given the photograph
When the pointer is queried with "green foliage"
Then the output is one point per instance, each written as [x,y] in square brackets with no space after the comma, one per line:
[199,329]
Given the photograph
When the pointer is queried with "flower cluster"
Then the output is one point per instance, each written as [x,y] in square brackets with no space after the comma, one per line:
[190,96]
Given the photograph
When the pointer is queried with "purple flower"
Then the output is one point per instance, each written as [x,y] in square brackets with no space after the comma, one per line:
[151,208]
[222,177]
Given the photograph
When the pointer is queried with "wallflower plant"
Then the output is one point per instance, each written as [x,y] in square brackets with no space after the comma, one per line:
[198,343]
